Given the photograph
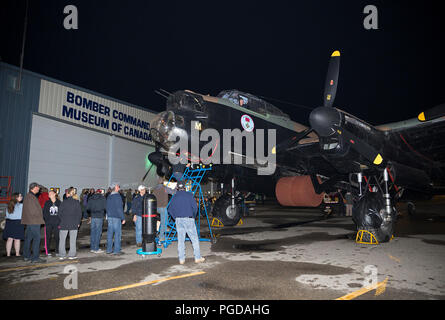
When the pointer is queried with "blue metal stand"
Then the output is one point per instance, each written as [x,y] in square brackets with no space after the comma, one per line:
[140,252]
[192,179]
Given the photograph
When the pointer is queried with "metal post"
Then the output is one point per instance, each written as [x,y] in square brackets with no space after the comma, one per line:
[386,195]
[360,179]
[233,193]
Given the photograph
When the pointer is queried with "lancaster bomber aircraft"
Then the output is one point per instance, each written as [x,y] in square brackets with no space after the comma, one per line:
[379,165]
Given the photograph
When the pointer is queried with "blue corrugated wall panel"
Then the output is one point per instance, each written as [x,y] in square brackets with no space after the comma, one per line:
[16,108]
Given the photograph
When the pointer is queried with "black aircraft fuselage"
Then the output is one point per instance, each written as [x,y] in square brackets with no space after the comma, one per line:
[188,111]
[330,153]
[334,153]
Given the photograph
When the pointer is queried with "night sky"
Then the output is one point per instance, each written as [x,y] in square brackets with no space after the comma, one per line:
[275,49]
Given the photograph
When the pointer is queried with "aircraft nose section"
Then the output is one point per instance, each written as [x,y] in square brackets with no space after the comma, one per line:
[166,127]
[323,120]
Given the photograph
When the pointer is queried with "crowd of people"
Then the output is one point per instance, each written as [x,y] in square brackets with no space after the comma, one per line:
[62,218]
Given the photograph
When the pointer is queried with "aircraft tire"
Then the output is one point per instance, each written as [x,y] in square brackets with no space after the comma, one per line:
[223,211]
[368,214]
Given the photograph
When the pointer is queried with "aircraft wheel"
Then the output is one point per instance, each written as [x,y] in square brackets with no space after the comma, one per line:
[369,214]
[224,211]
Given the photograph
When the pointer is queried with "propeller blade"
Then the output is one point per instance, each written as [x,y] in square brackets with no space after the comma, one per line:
[433,113]
[147,173]
[361,146]
[293,140]
[330,88]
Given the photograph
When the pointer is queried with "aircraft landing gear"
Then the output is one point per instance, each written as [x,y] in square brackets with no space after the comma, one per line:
[227,213]
[228,208]
[373,212]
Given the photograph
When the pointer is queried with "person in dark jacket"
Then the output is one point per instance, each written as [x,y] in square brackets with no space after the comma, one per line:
[116,218]
[96,207]
[183,209]
[137,211]
[178,169]
[129,200]
[70,214]
[32,217]
[52,220]
[121,192]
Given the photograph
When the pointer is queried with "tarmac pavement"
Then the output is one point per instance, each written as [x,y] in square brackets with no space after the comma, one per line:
[276,254]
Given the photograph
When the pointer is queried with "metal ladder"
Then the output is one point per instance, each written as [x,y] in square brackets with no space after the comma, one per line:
[192,179]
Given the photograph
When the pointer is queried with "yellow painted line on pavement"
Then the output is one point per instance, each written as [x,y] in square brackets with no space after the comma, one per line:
[135,285]
[394,258]
[379,287]
[39,266]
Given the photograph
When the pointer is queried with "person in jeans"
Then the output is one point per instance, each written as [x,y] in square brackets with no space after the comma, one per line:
[161,193]
[96,207]
[70,213]
[349,203]
[52,220]
[32,217]
[183,209]
[116,218]
[137,211]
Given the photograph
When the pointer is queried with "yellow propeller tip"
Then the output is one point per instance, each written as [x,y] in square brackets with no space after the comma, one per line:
[335,54]
[421,117]
[274,150]
[378,160]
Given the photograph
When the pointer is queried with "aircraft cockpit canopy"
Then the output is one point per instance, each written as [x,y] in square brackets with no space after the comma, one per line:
[251,102]
[185,100]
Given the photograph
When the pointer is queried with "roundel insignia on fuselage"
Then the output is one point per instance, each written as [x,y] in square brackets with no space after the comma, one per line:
[247,123]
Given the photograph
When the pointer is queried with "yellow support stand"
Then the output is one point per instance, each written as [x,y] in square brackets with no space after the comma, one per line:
[361,233]
[371,239]
[217,223]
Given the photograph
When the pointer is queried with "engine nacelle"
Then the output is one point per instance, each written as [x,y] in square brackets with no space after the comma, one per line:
[297,191]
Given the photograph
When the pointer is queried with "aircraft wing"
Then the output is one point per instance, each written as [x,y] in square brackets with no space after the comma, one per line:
[424,139]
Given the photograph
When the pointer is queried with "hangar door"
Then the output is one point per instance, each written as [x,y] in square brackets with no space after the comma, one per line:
[64,155]
[129,163]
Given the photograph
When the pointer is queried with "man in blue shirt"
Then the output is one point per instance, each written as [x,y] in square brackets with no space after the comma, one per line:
[183,209]
[116,218]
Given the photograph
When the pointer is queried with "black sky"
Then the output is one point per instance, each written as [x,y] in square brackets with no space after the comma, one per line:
[278,49]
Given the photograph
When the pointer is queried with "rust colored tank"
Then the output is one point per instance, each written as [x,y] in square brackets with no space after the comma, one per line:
[297,191]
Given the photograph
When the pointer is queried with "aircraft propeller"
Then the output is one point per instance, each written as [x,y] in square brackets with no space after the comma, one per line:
[155,158]
[326,120]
